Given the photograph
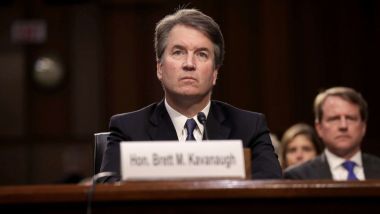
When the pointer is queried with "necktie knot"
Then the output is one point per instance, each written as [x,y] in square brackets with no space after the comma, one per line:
[190,126]
[349,166]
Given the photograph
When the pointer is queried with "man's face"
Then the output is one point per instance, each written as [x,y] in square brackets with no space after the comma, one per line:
[187,66]
[341,127]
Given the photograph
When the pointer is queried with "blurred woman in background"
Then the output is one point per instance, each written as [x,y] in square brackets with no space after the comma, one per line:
[299,144]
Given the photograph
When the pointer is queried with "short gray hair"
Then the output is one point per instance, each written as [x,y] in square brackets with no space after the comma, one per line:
[195,19]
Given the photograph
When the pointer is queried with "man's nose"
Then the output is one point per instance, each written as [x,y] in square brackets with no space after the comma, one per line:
[189,63]
[343,123]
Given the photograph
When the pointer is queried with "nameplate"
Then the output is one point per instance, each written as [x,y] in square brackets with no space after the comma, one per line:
[173,160]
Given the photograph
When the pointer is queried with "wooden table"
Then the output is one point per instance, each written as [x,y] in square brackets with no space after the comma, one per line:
[202,196]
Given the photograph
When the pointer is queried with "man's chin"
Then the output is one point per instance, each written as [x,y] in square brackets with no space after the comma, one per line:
[344,145]
[344,150]
[188,94]
[191,94]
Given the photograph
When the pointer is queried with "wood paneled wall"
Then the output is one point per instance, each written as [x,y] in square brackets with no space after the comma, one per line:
[279,54]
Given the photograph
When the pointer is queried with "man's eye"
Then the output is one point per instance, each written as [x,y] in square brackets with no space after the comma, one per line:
[352,118]
[178,52]
[203,55]
[332,119]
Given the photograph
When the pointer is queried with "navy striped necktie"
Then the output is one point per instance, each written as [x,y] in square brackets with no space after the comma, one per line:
[190,126]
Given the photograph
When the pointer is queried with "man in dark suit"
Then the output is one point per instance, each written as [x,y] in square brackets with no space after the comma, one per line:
[189,52]
[340,120]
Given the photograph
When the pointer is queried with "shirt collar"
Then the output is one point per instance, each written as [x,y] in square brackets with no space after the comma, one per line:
[336,161]
[179,119]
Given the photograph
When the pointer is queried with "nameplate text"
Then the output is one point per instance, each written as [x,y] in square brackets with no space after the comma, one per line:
[173,160]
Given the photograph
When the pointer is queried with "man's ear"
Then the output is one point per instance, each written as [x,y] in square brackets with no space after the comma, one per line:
[317,125]
[364,128]
[159,70]
[215,76]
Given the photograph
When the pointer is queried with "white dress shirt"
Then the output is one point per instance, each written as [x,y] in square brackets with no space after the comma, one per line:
[179,121]
[338,172]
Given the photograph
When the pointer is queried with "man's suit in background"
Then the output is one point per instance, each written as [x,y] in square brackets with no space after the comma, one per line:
[319,168]
[224,121]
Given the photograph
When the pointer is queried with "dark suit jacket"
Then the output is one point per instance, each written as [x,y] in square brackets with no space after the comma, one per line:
[319,168]
[224,121]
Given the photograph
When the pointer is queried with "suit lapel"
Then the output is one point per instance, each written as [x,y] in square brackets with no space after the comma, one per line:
[371,167]
[217,130]
[161,126]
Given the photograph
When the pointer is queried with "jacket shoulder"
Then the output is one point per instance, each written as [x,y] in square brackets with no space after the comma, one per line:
[230,110]
[141,113]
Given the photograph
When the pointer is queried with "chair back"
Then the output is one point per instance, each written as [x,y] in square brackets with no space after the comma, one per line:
[99,149]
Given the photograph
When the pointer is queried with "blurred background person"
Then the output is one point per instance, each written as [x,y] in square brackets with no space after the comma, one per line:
[299,144]
[341,116]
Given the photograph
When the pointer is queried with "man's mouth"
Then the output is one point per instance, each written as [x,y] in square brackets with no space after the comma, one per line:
[188,78]
[340,137]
